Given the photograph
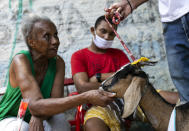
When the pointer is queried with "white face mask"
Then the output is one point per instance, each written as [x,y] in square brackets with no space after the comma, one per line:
[102,43]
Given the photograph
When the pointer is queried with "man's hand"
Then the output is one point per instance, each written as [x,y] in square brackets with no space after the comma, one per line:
[99,97]
[125,7]
[104,76]
[36,124]
[122,7]
[93,79]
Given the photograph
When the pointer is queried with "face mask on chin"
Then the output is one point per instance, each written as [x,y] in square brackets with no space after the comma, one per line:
[102,43]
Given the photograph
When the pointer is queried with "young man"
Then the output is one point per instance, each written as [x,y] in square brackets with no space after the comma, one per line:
[38,75]
[94,64]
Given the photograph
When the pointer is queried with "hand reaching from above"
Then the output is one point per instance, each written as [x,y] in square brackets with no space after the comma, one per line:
[100,97]
[123,8]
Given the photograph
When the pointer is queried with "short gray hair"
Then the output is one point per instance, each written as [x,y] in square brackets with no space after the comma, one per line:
[28,23]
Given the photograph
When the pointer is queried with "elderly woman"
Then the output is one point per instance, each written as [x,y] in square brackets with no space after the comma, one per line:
[38,75]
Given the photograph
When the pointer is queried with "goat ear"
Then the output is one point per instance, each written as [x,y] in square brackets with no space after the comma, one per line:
[132,96]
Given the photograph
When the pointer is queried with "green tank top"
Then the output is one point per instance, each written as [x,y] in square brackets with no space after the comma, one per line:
[10,102]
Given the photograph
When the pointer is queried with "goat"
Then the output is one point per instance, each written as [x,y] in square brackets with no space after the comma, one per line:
[131,83]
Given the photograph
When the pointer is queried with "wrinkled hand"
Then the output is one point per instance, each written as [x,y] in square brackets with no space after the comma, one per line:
[100,97]
[36,124]
[121,7]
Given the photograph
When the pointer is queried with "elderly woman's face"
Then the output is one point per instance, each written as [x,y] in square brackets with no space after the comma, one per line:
[45,38]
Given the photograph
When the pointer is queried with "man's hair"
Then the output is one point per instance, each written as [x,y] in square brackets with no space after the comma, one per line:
[102,18]
[28,23]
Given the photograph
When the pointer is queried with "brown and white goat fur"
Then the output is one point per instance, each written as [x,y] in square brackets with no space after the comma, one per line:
[138,91]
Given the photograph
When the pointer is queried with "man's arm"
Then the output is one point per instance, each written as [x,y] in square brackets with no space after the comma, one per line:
[83,83]
[104,76]
[124,8]
[170,96]
[79,71]
[47,107]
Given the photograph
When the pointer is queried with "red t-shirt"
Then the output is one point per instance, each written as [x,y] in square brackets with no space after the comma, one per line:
[87,61]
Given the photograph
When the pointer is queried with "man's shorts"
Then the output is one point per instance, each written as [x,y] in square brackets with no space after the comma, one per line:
[106,114]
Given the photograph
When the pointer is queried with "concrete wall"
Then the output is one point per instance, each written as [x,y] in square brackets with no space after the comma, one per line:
[142,31]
